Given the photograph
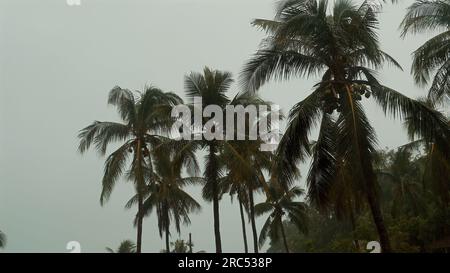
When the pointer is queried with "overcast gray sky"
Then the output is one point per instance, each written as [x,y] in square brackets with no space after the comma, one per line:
[57,65]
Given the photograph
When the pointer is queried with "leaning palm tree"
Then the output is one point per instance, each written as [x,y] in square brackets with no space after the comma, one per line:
[343,48]
[165,193]
[126,246]
[433,57]
[144,116]
[280,203]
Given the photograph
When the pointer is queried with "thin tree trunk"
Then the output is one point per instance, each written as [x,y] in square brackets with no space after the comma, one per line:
[379,222]
[244,233]
[139,188]
[252,218]
[139,224]
[190,242]
[284,237]
[167,240]
[215,190]
[216,220]
[167,227]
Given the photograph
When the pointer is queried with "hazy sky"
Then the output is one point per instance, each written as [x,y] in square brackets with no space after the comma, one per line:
[57,65]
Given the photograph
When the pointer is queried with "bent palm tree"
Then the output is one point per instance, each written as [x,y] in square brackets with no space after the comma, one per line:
[278,204]
[143,117]
[343,47]
[433,55]
[126,246]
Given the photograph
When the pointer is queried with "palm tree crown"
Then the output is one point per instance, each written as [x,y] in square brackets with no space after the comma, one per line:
[433,55]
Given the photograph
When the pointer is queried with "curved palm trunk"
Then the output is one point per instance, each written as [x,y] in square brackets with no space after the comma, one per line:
[252,218]
[167,240]
[364,160]
[244,232]
[284,237]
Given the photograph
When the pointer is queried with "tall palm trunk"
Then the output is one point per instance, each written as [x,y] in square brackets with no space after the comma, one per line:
[252,218]
[244,232]
[166,225]
[139,188]
[167,240]
[368,176]
[139,224]
[283,234]
[215,192]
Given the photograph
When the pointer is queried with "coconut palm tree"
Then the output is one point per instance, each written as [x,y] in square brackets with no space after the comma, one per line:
[245,163]
[236,188]
[436,160]
[342,47]
[280,203]
[403,173]
[165,193]
[143,117]
[126,246]
[433,57]
[211,87]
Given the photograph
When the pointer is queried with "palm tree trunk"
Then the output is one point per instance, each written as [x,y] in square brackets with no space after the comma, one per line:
[139,224]
[252,218]
[139,188]
[167,228]
[212,155]
[216,220]
[167,240]
[379,222]
[284,237]
[244,233]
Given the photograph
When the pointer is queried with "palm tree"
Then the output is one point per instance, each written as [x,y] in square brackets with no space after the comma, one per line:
[2,240]
[126,246]
[245,163]
[403,173]
[211,87]
[343,47]
[436,160]
[434,55]
[143,117]
[165,193]
[236,187]
[280,203]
